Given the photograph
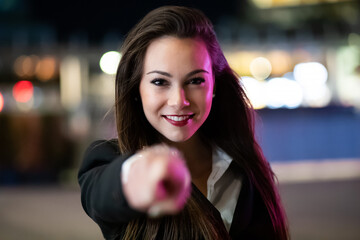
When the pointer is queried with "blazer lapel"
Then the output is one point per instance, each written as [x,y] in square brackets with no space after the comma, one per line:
[206,202]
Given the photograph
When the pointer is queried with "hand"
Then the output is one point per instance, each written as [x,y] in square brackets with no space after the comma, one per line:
[158,181]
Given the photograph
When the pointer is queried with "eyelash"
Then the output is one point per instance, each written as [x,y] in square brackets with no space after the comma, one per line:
[197,81]
[159,82]
[163,82]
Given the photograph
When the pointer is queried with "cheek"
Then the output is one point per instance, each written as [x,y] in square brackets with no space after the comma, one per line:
[204,102]
[148,106]
[209,98]
[151,102]
[207,105]
[145,98]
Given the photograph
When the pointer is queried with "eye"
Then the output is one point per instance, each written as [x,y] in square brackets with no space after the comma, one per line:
[197,81]
[159,82]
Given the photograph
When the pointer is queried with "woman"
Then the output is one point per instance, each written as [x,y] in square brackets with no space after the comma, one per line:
[180,114]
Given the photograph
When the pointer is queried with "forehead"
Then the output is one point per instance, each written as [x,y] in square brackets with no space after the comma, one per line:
[169,51]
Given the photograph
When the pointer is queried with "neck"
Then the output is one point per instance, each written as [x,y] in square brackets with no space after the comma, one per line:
[198,156]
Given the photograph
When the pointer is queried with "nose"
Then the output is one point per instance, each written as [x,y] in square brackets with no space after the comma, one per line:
[177,98]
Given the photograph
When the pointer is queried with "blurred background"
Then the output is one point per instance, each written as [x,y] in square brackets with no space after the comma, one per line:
[299,61]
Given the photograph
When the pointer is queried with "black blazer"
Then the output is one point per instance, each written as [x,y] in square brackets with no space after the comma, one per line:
[103,199]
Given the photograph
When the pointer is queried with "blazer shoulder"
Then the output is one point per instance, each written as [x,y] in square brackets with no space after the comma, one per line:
[103,146]
[99,153]
[102,196]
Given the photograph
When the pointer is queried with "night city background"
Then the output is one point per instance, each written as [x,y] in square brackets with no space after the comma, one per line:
[299,61]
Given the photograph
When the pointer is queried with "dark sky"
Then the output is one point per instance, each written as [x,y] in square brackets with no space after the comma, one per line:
[96,17]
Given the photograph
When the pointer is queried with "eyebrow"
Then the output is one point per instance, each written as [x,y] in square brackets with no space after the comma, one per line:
[187,75]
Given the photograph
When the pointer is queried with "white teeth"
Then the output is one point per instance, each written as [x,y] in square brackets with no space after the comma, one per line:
[177,118]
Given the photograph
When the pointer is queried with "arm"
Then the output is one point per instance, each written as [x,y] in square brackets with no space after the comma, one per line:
[102,195]
[158,182]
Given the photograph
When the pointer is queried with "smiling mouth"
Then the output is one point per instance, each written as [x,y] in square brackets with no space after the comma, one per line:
[178,120]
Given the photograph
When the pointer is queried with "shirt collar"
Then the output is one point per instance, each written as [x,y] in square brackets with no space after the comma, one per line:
[220,163]
[221,158]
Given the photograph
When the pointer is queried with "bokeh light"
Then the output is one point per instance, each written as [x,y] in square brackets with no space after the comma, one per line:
[263,3]
[282,92]
[313,77]
[281,62]
[317,96]
[240,61]
[71,87]
[287,3]
[23,91]
[255,91]
[347,75]
[25,66]
[1,102]
[110,61]
[310,73]
[46,68]
[260,68]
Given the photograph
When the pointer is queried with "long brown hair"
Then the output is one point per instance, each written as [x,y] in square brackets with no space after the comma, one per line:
[230,124]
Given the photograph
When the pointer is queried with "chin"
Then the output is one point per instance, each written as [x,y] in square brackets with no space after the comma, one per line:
[178,138]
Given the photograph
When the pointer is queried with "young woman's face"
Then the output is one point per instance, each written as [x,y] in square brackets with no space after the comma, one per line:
[176,87]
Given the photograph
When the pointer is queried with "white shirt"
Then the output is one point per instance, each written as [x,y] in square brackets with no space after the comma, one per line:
[223,186]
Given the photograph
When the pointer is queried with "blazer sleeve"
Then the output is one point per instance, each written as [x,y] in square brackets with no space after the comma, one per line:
[101,190]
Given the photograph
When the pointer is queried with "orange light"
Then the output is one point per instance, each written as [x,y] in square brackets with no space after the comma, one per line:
[1,102]
[240,61]
[46,68]
[281,62]
[23,91]
[24,66]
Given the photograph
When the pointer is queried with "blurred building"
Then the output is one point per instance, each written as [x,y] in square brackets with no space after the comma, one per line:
[299,61]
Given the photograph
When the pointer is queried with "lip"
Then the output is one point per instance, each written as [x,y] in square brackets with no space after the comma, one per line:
[178,120]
